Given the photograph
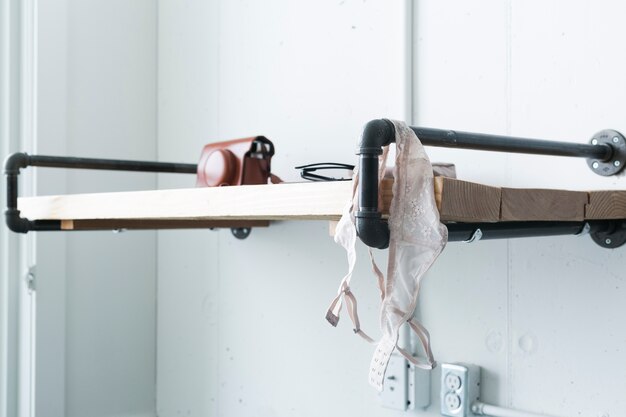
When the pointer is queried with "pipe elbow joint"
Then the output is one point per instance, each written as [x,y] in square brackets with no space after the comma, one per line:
[372,230]
[15,223]
[376,134]
[16,161]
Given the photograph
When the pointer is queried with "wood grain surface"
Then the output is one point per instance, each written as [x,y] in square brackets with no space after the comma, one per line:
[464,201]
[134,224]
[606,205]
[457,201]
[541,204]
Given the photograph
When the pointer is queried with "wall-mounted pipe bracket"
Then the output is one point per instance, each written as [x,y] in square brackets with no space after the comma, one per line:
[17,161]
[606,155]
[20,160]
[615,163]
[241,232]
[12,166]
[611,237]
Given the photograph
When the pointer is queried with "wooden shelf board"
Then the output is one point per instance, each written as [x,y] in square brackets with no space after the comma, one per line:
[458,201]
[298,201]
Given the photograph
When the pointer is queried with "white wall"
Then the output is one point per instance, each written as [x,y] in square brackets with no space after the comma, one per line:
[528,69]
[241,329]
[240,323]
[96,295]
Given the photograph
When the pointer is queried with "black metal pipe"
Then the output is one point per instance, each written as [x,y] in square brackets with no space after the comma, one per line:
[110,164]
[15,162]
[609,234]
[374,231]
[370,226]
[507,230]
[496,143]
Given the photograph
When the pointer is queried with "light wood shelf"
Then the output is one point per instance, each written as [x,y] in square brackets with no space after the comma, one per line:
[256,205]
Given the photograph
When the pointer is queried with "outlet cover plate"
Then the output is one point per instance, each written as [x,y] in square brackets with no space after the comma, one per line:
[395,388]
[460,388]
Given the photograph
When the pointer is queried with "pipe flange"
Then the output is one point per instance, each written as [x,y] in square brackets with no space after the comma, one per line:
[241,232]
[612,238]
[618,143]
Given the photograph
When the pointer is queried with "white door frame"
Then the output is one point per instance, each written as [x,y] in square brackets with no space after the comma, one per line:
[18,104]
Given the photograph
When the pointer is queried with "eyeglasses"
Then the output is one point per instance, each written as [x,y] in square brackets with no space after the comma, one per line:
[337,171]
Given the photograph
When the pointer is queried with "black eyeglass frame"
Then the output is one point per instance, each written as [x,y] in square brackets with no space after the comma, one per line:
[307,171]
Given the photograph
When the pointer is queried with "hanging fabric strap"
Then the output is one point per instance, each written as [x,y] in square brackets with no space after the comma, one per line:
[379,275]
[335,307]
[420,331]
[345,235]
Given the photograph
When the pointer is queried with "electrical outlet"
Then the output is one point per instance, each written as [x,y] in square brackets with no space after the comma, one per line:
[460,387]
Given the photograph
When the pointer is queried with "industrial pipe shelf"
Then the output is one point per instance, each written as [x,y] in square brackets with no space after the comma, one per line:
[471,211]
[605,155]
[464,206]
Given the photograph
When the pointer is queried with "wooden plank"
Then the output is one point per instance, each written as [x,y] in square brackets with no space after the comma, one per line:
[305,201]
[332,227]
[606,205]
[463,201]
[386,194]
[457,201]
[133,224]
[520,204]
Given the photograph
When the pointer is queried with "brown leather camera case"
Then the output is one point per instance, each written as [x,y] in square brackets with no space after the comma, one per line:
[236,162]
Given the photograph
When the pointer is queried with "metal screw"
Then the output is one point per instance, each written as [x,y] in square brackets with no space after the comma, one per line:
[595,165]
[616,163]
[594,142]
[615,139]
[608,241]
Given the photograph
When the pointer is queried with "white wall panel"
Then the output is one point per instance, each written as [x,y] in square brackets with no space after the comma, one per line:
[96,353]
[567,293]
[530,69]
[461,77]
[241,327]
[51,254]
[188,288]
[240,323]
[461,83]
[566,83]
